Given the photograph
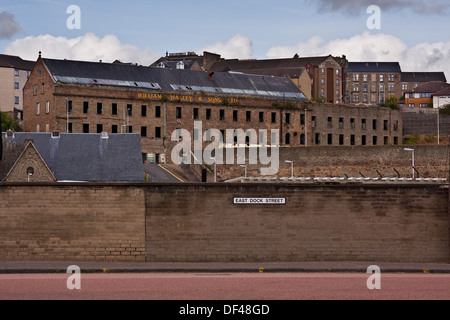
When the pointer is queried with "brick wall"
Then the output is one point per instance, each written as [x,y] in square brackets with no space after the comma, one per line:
[199,222]
[344,223]
[425,124]
[76,223]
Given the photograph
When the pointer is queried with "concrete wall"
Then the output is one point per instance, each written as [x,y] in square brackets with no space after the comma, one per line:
[425,124]
[199,222]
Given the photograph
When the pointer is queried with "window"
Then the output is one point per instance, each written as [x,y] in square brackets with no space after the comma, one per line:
[208,114]
[352,123]
[355,77]
[391,88]
[114,128]
[374,140]
[99,128]
[16,100]
[248,116]
[180,65]
[158,132]
[261,117]
[374,124]
[43,88]
[352,140]
[341,123]
[385,125]
[302,139]
[356,87]
[143,131]
[391,78]
[302,119]
[363,140]
[381,77]
[363,124]
[386,141]
[178,113]
[404,86]
[365,78]
[322,81]
[38,108]
[85,107]
[85,128]
[114,109]
[195,114]
[288,138]
[16,72]
[396,125]
[222,115]
[381,87]
[69,106]
[274,117]
[313,121]
[235,115]
[330,139]
[129,110]
[99,108]
[288,118]
[330,122]
[47,107]
[70,127]
[129,129]
[396,140]
[341,139]
[16,85]
[35,89]
[143,111]
[157,111]
[317,138]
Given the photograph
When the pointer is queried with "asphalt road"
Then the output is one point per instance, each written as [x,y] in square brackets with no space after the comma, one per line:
[223,287]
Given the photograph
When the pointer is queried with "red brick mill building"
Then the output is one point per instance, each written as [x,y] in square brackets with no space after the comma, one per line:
[94,97]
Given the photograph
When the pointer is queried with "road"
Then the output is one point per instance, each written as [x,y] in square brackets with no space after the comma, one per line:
[255,286]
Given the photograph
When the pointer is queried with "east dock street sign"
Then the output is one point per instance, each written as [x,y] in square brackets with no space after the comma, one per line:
[265,201]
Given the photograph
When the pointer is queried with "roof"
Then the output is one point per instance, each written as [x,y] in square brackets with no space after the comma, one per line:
[240,65]
[423,76]
[429,87]
[374,67]
[80,157]
[15,62]
[443,92]
[171,80]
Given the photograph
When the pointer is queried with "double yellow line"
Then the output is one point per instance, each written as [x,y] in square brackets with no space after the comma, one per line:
[172,174]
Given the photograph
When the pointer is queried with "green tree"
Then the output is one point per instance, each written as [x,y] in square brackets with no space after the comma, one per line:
[8,122]
[391,102]
[445,110]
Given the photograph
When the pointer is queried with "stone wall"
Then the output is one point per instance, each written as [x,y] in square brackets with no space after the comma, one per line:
[425,124]
[200,222]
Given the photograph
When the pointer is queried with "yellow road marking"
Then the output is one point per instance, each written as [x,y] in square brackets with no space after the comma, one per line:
[170,173]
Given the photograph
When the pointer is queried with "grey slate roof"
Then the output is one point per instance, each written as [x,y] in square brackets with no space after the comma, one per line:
[374,67]
[8,61]
[170,80]
[81,157]
[423,76]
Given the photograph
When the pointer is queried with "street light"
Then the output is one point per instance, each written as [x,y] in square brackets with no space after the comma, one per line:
[215,169]
[242,166]
[411,150]
[292,168]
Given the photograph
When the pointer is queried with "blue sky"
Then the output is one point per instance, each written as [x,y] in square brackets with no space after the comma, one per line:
[414,32]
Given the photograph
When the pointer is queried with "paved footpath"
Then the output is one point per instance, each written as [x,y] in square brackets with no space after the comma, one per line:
[11,267]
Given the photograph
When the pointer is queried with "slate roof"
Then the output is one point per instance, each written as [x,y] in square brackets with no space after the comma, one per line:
[429,87]
[273,64]
[170,80]
[80,157]
[423,76]
[374,67]
[15,62]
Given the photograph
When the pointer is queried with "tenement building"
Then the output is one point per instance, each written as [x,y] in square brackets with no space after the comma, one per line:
[94,97]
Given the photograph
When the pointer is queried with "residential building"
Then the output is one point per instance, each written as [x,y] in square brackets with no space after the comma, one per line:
[14,73]
[441,98]
[371,83]
[411,80]
[422,96]
[326,73]
[50,157]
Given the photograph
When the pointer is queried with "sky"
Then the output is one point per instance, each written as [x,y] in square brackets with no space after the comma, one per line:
[412,32]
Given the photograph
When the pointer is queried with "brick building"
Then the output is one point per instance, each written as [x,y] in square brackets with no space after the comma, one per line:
[411,80]
[87,97]
[422,96]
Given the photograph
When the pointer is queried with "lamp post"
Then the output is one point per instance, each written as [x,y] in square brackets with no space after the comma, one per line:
[292,168]
[411,150]
[242,166]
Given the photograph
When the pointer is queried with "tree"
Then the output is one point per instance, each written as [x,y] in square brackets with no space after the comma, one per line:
[8,122]
[391,102]
[445,110]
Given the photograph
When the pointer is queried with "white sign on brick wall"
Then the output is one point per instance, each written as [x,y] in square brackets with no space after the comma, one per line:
[276,201]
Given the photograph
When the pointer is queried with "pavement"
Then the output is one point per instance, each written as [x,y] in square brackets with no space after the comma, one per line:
[28,267]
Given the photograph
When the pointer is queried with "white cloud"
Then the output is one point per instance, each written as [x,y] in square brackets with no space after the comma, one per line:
[238,47]
[374,47]
[88,47]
